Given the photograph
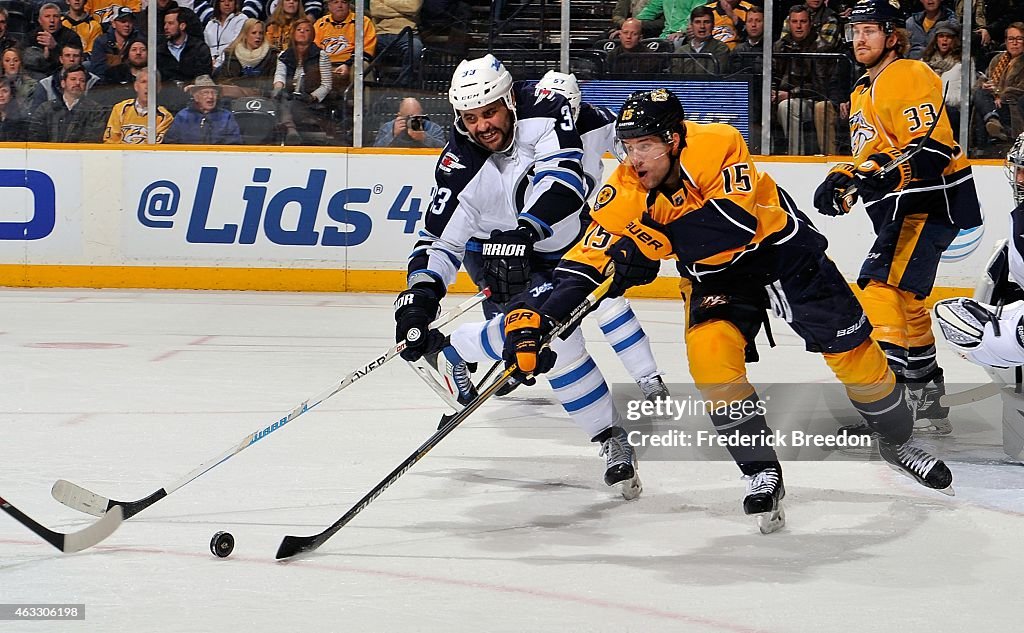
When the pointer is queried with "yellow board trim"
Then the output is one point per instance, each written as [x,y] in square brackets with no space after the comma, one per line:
[276,279]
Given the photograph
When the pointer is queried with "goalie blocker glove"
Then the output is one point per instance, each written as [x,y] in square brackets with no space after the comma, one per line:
[414,310]
[525,330]
[506,262]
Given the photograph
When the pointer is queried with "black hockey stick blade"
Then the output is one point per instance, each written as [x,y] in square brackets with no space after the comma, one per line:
[73,541]
[293,545]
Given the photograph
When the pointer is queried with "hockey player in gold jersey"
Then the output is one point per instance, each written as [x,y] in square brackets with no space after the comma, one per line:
[690,192]
[916,210]
[128,122]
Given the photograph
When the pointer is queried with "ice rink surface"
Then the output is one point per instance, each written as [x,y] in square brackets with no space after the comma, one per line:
[505,526]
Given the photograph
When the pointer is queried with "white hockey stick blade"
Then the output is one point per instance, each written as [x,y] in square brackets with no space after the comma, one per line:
[78,498]
[436,382]
[98,531]
[967,396]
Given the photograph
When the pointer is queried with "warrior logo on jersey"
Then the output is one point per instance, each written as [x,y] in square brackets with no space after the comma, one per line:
[604,196]
[861,132]
[449,163]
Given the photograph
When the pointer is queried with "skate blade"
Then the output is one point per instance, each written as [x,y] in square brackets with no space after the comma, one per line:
[631,488]
[934,428]
[948,490]
[769,522]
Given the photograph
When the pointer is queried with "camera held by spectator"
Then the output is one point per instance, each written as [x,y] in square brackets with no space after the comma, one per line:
[411,128]
[417,122]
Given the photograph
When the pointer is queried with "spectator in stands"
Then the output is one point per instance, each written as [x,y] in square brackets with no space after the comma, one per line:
[134,61]
[281,22]
[182,57]
[23,85]
[700,41]
[71,118]
[223,28]
[105,11]
[391,17]
[84,24]
[730,17]
[336,34]
[13,120]
[943,55]
[1001,88]
[193,26]
[676,14]
[920,25]
[411,128]
[42,44]
[6,39]
[801,82]
[203,122]
[1001,14]
[128,123]
[825,22]
[980,38]
[111,47]
[49,88]
[625,9]
[748,56]
[303,78]
[629,42]
[249,64]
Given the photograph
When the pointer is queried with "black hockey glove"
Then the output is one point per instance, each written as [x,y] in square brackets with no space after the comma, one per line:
[632,267]
[830,198]
[414,310]
[506,259]
[873,184]
[525,329]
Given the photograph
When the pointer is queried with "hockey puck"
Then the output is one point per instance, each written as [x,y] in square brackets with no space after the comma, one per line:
[222,544]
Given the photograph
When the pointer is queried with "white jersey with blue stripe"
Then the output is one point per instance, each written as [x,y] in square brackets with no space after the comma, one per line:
[539,181]
[596,125]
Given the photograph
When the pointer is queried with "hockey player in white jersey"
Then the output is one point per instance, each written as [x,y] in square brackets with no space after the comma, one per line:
[510,190]
[988,330]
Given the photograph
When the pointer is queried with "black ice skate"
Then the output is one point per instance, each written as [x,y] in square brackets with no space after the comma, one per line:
[927,470]
[930,417]
[620,462]
[765,492]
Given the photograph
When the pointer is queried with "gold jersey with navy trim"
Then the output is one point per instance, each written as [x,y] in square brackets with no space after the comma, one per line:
[730,207]
[126,125]
[895,112]
[338,38]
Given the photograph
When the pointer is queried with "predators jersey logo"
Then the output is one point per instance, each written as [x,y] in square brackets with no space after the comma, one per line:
[604,196]
[334,45]
[895,4]
[133,134]
[861,132]
[659,95]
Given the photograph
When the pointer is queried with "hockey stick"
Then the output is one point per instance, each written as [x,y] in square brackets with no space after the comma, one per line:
[78,498]
[904,157]
[292,545]
[967,396]
[73,541]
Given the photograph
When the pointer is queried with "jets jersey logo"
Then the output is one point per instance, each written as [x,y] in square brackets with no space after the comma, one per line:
[861,132]
[449,163]
[334,45]
[604,196]
[542,94]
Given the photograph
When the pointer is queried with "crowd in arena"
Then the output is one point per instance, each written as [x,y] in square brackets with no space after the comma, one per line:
[280,71]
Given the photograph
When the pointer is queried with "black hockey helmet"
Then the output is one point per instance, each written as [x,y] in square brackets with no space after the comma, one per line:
[650,112]
[884,12]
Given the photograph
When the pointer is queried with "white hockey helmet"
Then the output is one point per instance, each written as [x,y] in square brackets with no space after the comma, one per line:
[1015,170]
[565,85]
[479,82]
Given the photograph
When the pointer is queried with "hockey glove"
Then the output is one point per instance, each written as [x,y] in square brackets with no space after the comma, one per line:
[506,260]
[830,198]
[873,184]
[650,238]
[525,330]
[632,267]
[414,310]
